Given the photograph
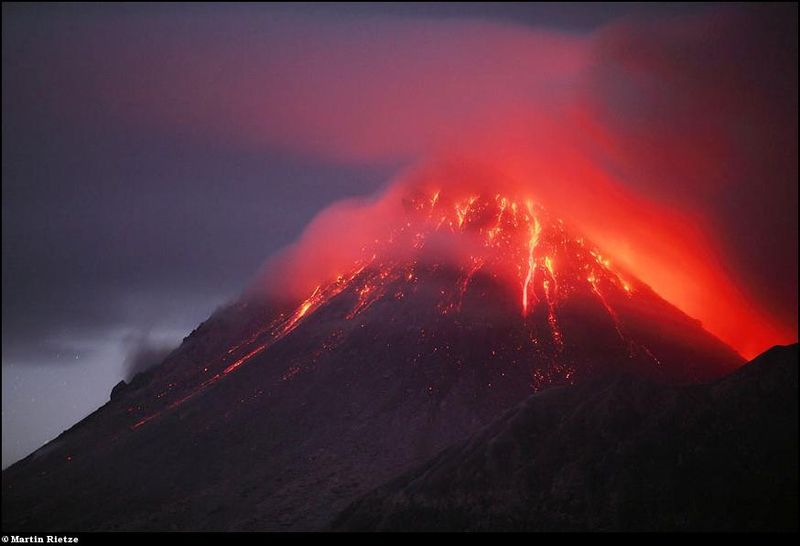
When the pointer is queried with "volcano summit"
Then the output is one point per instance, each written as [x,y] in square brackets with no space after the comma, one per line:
[478,276]
[278,412]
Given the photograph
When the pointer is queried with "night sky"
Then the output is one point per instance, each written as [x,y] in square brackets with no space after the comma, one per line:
[155,156]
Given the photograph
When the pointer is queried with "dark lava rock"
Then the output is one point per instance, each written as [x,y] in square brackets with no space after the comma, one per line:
[118,389]
[616,454]
[326,405]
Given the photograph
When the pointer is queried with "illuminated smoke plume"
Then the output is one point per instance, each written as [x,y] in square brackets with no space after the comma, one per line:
[671,145]
[616,133]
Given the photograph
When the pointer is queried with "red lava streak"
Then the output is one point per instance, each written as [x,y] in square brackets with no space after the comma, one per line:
[274,333]
[509,238]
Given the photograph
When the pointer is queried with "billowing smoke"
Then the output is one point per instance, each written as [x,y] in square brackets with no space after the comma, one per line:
[143,353]
[642,136]
[671,144]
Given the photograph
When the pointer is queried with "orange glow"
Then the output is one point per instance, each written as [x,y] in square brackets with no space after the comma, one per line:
[587,123]
[509,231]
[507,237]
[535,230]
[548,263]
[662,249]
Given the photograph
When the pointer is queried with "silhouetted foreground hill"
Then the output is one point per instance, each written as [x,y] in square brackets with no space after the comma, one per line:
[616,454]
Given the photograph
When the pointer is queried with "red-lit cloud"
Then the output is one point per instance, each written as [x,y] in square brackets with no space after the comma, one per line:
[655,140]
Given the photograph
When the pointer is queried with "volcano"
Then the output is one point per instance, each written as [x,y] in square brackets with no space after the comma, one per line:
[278,412]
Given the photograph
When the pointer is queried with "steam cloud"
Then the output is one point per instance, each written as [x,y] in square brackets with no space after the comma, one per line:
[143,353]
[671,144]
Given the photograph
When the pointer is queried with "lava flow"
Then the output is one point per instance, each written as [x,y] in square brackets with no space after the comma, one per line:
[514,244]
[260,341]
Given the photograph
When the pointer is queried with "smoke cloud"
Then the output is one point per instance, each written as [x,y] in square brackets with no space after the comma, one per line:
[671,144]
[144,352]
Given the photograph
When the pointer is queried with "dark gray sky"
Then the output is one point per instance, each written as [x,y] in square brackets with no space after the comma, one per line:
[121,234]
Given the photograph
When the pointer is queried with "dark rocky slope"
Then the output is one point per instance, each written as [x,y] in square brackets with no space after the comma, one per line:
[615,454]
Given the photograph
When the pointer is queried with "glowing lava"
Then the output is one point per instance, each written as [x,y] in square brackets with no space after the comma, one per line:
[535,230]
[510,241]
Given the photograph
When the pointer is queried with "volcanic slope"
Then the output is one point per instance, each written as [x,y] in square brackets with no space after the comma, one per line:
[275,414]
[615,454]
